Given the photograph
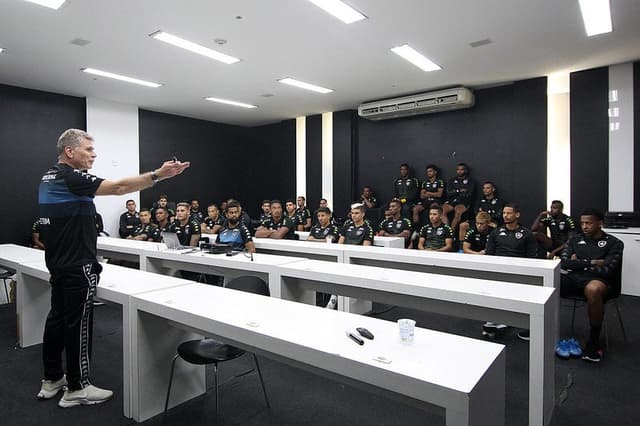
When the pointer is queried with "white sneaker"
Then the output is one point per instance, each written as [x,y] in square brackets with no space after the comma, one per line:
[49,388]
[88,395]
[333,302]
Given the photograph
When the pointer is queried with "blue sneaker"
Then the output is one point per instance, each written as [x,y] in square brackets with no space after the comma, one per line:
[574,347]
[562,349]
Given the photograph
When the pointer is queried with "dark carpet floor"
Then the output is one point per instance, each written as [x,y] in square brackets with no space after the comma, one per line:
[587,394]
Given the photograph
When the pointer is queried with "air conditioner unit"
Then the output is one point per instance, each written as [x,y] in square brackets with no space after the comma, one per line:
[424,103]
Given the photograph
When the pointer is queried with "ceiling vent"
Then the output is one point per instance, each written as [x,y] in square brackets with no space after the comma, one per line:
[424,103]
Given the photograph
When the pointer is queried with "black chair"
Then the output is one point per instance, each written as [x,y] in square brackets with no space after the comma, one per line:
[210,351]
[5,275]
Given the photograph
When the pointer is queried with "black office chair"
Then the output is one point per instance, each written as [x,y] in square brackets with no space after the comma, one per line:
[612,299]
[210,351]
[5,275]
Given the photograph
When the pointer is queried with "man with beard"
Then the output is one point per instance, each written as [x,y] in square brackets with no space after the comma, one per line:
[234,232]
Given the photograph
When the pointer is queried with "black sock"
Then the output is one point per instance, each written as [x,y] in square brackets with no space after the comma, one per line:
[595,333]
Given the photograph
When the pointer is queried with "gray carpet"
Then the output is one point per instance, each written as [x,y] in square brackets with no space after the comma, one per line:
[588,394]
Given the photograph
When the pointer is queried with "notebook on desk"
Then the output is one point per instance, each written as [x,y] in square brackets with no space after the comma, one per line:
[172,242]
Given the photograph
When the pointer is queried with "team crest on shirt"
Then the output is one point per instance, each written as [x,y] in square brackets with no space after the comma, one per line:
[325,232]
[466,181]
[407,183]
[519,235]
[602,243]
[493,201]
[439,232]
[561,226]
[359,232]
[399,225]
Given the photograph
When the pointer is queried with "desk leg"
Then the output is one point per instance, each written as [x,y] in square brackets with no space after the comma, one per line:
[32,307]
[543,329]
[354,306]
[153,345]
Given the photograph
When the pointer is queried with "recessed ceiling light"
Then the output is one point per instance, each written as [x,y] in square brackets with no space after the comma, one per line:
[120,77]
[596,15]
[193,47]
[417,59]
[53,4]
[228,102]
[80,42]
[479,43]
[340,10]
[303,85]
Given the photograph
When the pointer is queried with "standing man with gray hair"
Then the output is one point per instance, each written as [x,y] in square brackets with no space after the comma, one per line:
[67,222]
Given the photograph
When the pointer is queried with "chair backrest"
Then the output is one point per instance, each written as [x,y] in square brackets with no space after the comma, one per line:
[249,284]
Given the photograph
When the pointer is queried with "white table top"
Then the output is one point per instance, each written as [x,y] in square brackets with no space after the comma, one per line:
[240,260]
[622,230]
[456,260]
[128,246]
[397,242]
[298,331]
[491,294]
[117,283]
[12,255]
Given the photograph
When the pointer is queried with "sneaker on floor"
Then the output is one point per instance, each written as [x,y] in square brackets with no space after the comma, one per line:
[88,395]
[524,335]
[50,388]
[592,352]
[333,302]
[574,348]
[562,349]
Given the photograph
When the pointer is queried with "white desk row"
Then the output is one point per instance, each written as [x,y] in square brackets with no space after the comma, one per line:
[528,306]
[159,312]
[396,242]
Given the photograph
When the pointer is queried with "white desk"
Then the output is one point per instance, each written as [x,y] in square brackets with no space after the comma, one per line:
[307,249]
[496,268]
[117,285]
[526,306]
[630,265]
[12,255]
[396,242]
[436,369]
[129,250]
[264,266]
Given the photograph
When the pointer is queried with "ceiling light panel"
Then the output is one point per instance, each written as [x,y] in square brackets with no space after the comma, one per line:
[340,10]
[407,52]
[228,102]
[303,85]
[120,77]
[193,47]
[52,4]
[596,15]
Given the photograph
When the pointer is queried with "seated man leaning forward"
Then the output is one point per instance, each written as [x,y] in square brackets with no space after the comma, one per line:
[277,226]
[591,265]
[436,235]
[234,232]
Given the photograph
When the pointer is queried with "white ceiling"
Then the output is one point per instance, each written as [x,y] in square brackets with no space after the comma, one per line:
[294,38]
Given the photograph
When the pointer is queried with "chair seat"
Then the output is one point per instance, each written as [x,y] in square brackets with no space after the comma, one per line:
[207,351]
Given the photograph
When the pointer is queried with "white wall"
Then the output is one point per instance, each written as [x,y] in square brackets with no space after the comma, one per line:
[621,124]
[114,128]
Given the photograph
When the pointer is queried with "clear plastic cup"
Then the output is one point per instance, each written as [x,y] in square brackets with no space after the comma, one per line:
[406,328]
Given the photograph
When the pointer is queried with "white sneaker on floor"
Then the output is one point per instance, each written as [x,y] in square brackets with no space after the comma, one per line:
[88,395]
[333,302]
[50,388]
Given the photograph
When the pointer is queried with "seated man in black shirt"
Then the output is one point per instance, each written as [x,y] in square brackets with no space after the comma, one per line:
[358,231]
[324,230]
[395,225]
[490,204]
[195,212]
[460,193]
[292,213]
[407,190]
[129,220]
[265,208]
[434,185]
[162,224]
[304,214]
[277,226]
[367,198]
[475,240]
[436,235]
[561,227]
[234,232]
[144,231]
[163,202]
[213,222]
[187,229]
[513,240]
[592,266]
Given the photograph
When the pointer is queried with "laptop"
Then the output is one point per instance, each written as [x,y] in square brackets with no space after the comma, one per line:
[172,242]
